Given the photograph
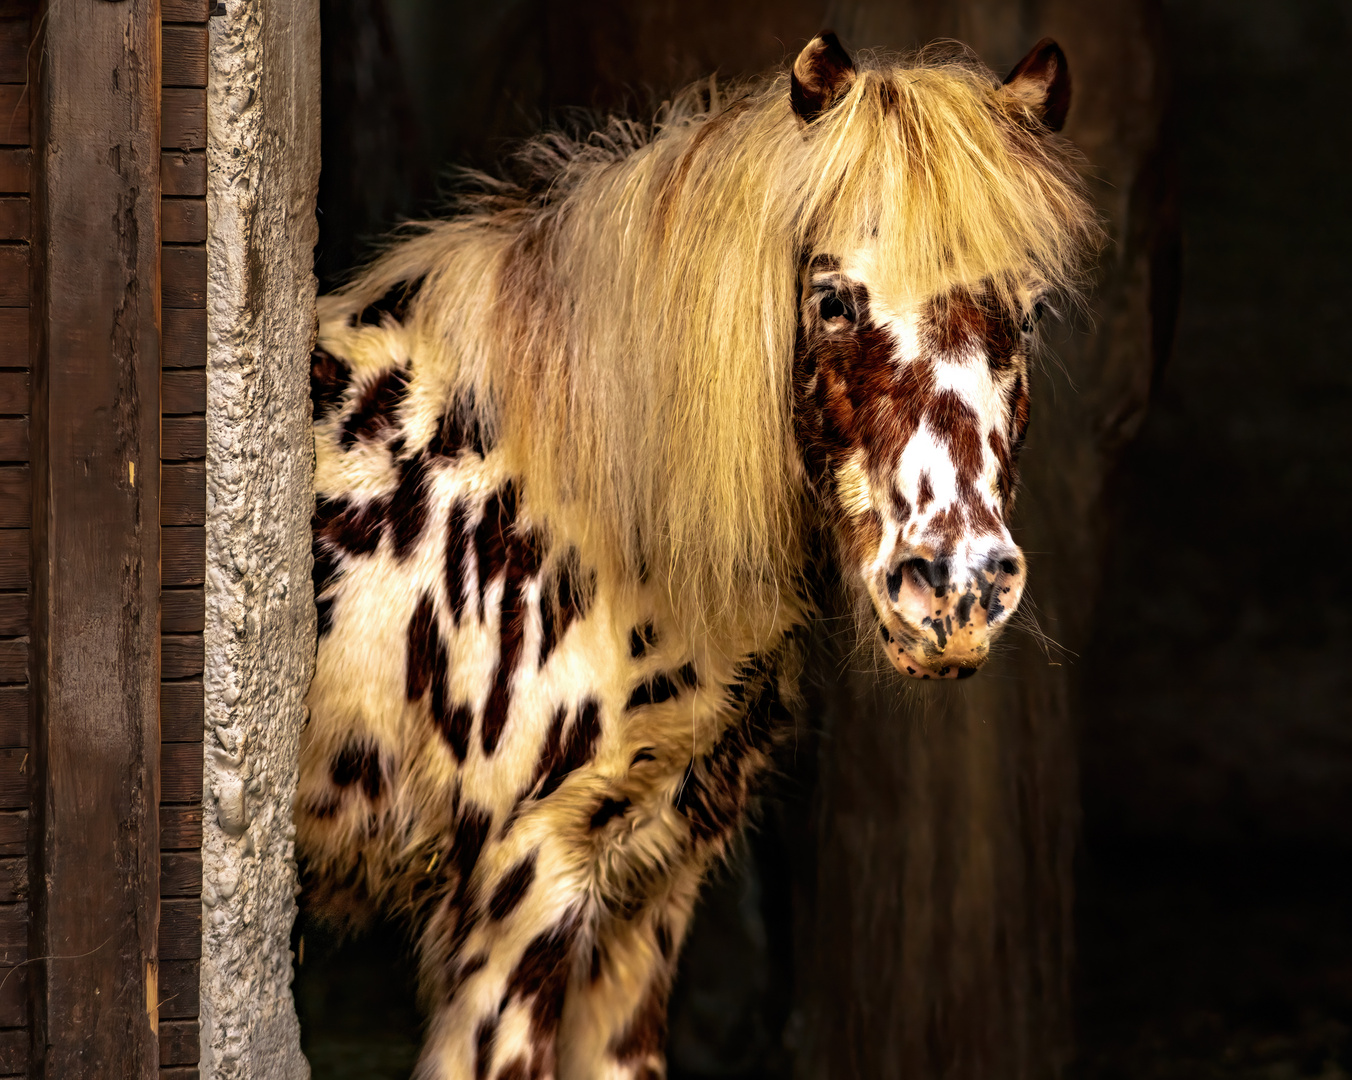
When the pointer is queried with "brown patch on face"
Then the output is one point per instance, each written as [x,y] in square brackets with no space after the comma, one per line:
[925,495]
[375,410]
[964,324]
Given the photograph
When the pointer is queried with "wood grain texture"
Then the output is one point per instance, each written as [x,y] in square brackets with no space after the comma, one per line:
[181,438]
[182,611]
[180,829]
[180,873]
[16,510]
[94,767]
[13,934]
[180,988]
[13,348]
[13,832]
[13,660]
[13,272]
[185,392]
[185,341]
[14,997]
[14,440]
[178,1042]
[14,558]
[13,614]
[183,221]
[184,556]
[184,50]
[15,169]
[183,120]
[14,217]
[14,115]
[180,771]
[186,11]
[185,277]
[14,387]
[183,487]
[180,929]
[15,35]
[13,729]
[180,655]
[15,764]
[181,711]
[183,173]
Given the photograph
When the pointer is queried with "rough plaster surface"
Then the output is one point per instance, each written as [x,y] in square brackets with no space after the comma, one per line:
[262,169]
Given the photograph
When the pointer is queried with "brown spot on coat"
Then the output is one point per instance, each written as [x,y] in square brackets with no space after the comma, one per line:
[512,889]
[376,407]
[646,1033]
[358,763]
[329,379]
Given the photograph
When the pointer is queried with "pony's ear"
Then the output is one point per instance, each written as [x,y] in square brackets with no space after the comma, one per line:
[821,74]
[1041,81]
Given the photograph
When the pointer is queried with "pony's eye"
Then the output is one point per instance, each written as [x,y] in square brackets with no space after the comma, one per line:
[1030,320]
[833,307]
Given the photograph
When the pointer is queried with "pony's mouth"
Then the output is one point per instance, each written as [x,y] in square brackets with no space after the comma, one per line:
[903,658]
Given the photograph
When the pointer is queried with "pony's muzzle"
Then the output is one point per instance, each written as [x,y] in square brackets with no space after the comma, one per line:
[939,618]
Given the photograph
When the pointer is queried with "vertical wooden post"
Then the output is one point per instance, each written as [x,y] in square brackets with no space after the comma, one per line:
[95,722]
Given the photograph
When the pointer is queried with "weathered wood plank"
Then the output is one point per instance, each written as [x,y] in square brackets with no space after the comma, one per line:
[16,510]
[180,773]
[13,272]
[15,35]
[14,115]
[14,996]
[14,387]
[13,1051]
[181,438]
[13,723]
[186,11]
[180,989]
[180,655]
[180,1072]
[95,456]
[183,120]
[183,221]
[13,934]
[183,172]
[13,352]
[185,392]
[180,828]
[178,1043]
[14,773]
[184,557]
[13,614]
[14,558]
[13,832]
[13,660]
[180,929]
[185,56]
[185,340]
[185,277]
[181,712]
[14,439]
[15,166]
[183,493]
[13,879]
[180,874]
[182,611]
[15,219]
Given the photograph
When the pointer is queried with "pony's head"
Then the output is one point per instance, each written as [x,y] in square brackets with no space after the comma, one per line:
[911,404]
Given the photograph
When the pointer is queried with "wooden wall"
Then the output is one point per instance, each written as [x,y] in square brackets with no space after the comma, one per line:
[182,502]
[15,514]
[183,445]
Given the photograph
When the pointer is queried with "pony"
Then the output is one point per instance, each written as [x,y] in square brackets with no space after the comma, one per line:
[587,453]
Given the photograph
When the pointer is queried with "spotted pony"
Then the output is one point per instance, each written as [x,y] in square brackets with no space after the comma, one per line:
[582,451]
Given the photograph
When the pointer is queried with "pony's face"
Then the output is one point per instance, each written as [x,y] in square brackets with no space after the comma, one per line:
[910,414]
[910,418]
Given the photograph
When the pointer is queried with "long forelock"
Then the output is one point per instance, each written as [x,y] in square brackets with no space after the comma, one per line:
[625,317]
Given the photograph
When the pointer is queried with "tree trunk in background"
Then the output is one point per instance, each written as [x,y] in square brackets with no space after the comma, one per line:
[940,941]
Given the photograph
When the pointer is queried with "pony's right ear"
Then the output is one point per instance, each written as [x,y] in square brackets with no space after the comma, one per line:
[821,74]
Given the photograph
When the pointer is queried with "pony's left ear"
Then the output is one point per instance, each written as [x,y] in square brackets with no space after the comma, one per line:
[821,74]
[1041,81]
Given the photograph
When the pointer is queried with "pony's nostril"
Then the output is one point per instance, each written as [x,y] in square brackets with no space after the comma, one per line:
[934,573]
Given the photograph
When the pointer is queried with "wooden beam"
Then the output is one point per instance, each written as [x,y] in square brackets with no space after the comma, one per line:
[94,437]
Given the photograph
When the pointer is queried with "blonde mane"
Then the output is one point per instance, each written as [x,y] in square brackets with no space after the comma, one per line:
[626,324]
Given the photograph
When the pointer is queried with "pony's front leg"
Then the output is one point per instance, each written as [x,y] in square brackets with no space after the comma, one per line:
[615,1015]
[496,964]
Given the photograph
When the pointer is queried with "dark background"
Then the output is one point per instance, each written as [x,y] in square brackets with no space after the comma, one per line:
[1181,898]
